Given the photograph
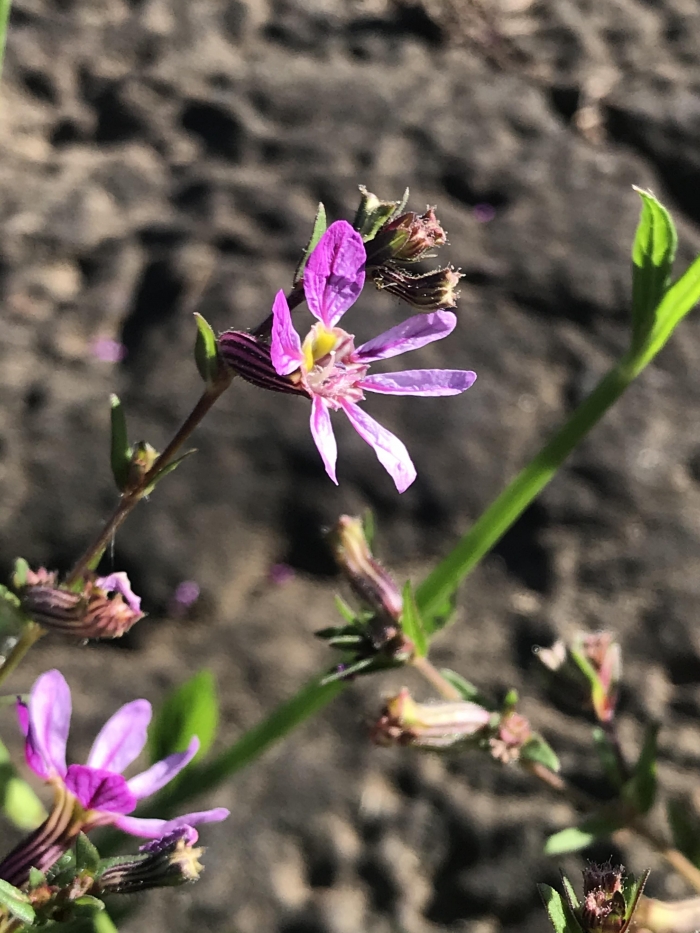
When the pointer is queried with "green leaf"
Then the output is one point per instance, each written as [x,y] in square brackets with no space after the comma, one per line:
[19,803]
[36,877]
[569,893]
[685,828]
[558,910]
[16,903]
[190,710]
[538,750]
[120,452]
[640,790]
[345,611]
[319,229]
[467,690]
[411,623]
[103,923]
[653,252]
[173,465]
[678,301]
[87,858]
[87,905]
[607,756]
[19,577]
[632,889]
[579,837]
[206,354]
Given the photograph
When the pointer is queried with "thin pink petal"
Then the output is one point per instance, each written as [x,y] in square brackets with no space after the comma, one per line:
[100,790]
[122,737]
[414,332]
[154,829]
[119,583]
[335,273]
[390,451]
[286,345]
[322,433]
[162,772]
[49,722]
[420,382]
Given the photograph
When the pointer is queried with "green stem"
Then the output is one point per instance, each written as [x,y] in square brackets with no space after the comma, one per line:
[31,634]
[433,592]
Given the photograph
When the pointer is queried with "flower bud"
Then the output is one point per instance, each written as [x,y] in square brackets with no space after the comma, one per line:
[407,238]
[587,672]
[605,657]
[165,862]
[603,907]
[143,456]
[428,725]
[512,733]
[249,357]
[429,292]
[369,580]
[372,214]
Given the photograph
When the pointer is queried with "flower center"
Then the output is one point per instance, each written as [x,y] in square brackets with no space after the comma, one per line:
[329,368]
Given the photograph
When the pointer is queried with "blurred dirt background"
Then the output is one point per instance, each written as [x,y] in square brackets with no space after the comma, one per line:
[147,143]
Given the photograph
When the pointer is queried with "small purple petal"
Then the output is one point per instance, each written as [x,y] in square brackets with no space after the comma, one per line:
[119,583]
[100,790]
[420,382]
[390,451]
[335,274]
[122,738]
[414,332]
[286,345]
[322,433]
[188,833]
[49,712]
[162,772]
[154,829]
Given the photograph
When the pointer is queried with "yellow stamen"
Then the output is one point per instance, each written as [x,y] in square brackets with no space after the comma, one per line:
[318,343]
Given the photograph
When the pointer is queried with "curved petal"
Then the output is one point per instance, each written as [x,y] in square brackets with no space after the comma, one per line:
[154,829]
[119,583]
[414,332]
[420,382]
[286,345]
[390,451]
[324,438]
[47,724]
[100,790]
[122,737]
[158,775]
[335,273]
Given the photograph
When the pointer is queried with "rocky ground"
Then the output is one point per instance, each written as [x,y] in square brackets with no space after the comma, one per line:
[147,146]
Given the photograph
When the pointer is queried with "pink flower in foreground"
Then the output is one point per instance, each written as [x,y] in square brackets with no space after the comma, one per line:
[328,367]
[103,794]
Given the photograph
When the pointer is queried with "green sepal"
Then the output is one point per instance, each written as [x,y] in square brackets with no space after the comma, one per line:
[192,709]
[36,878]
[16,903]
[640,791]
[539,751]
[206,354]
[373,214]
[120,451]
[559,912]
[510,701]
[319,228]
[20,573]
[87,858]
[607,757]
[653,252]
[685,828]
[411,622]
[466,689]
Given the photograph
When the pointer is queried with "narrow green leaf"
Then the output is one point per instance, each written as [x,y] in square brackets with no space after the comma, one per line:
[36,877]
[632,889]
[102,923]
[575,838]
[538,750]
[347,612]
[120,455]
[653,252]
[87,905]
[569,893]
[558,910]
[467,690]
[173,465]
[411,623]
[17,903]
[19,803]
[607,757]
[319,229]
[206,355]
[190,710]
[87,858]
[678,301]
[640,790]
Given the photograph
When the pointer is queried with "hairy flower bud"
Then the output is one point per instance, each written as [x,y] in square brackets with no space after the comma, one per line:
[166,862]
[370,582]
[428,725]
[407,238]
[429,292]
[603,907]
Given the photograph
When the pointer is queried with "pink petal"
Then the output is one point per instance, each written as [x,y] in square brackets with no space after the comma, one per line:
[162,772]
[420,382]
[48,722]
[100,790]
[390,451]
[154,829]
[119,583]
[122,737]
[335,274]
[414,332]
[322,433]
[286,345]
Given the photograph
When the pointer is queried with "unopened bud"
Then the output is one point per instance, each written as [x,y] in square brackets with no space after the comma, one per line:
[250,358]
[513,732]
[605,657]
[370,582]
[428,725]
[166,862]
[587,672]
[372,214]
[143,456]
[429,292]
[603,907]
[407,238]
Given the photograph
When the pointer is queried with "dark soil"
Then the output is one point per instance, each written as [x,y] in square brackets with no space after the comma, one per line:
[146,144]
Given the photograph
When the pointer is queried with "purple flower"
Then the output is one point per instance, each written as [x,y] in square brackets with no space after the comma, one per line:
[328,367]
[99,788]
